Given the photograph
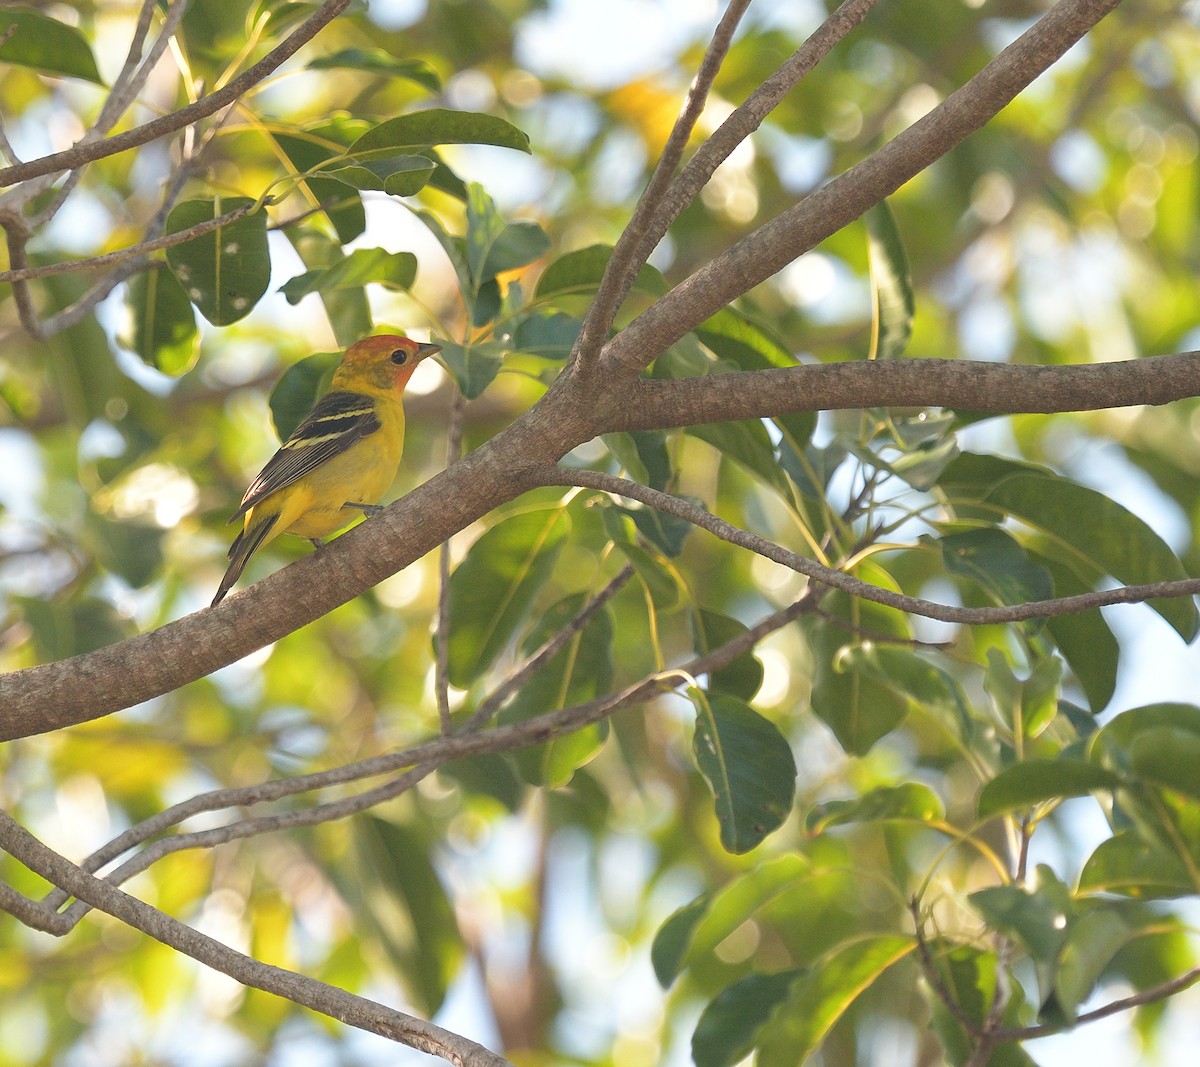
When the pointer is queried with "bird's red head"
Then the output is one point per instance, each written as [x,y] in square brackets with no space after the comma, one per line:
[384,362]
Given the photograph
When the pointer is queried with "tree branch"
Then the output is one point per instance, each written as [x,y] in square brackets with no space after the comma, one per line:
[767,250]
[847,583]
[998,388]
[329,1000]
[79,154]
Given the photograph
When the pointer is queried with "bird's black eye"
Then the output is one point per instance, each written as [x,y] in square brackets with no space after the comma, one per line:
[399,357]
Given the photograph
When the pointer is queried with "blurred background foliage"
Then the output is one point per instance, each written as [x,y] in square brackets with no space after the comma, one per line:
[583,903]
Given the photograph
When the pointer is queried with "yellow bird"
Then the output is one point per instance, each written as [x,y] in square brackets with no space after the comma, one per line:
[340,459]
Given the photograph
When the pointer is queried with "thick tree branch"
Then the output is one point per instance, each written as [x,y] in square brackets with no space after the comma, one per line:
[999,388]
[79,154]
[767,250]
[300,989]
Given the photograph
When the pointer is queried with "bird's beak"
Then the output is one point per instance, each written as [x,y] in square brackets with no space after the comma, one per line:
[428,349]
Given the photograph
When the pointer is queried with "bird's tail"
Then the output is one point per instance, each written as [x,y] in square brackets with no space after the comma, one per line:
[243,547]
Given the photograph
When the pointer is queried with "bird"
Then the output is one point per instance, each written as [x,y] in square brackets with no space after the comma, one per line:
[340,459]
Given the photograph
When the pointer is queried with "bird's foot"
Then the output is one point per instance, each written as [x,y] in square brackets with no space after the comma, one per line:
[366,509]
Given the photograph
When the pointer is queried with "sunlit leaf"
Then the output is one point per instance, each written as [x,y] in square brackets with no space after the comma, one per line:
[401,175]
[1037,781]
[437,126]
[581,271]
[474,367]
[225,271]
[165,335]
[814,1003]
[33,39]
[727,1027]
[911,801]
[393,270]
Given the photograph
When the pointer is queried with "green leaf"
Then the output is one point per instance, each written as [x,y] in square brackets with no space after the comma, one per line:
[164,326]
[493,246]
[1027,705]
[226,271]
[1038,916]
[659,580]
[1168,757]
[801,1023]
[910,801]
[297,390]
[994,561]
[393,270]
[348,311]
[1038,781]
[493,588]
[1091,944]
[671,944]
[747,443]
[812,468]
[856,707]
[907,672]
[1126,863]
[377,61]
[666,532]
[1095,534]
[580,272]
[892,299]
[643,455]
[743,677]
[401,175]
[134,550]
[473,367]
[32,39]
[437,126]
[581,671]
[1084,638]
[307,148]
[749,767]
[727,1027]
[406,907]
[548,334]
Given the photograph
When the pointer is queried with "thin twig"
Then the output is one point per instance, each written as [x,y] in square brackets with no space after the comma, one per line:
[934,977]
[130,252]
[631,251]
[549,649]
[328,1000]
[698,516]
[79,154]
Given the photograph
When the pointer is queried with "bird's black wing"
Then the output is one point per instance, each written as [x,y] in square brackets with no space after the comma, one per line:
[338,421]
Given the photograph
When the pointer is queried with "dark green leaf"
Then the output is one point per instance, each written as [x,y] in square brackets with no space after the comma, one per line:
[377,61]
[473,367]
[580,272]
[643,454]
[812,468]
[1091,944]
[1038,916]
[1084,638]
[749,767]
[226,271]
[32,39]
[741,678]
[493,588]
[309,147]
[1128,864]
[401,175]
[673,940]
[893,302]
[164,326]
[725,1033]
[348,310]
[549,334]
[666,532]
[816,1002]
[747,443]
[1037,781]
[393,270]
[910,801]
[297,390]
[658,578]
[856,707]
[438,126]
[133,550]
[61,630]
[1169,757]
